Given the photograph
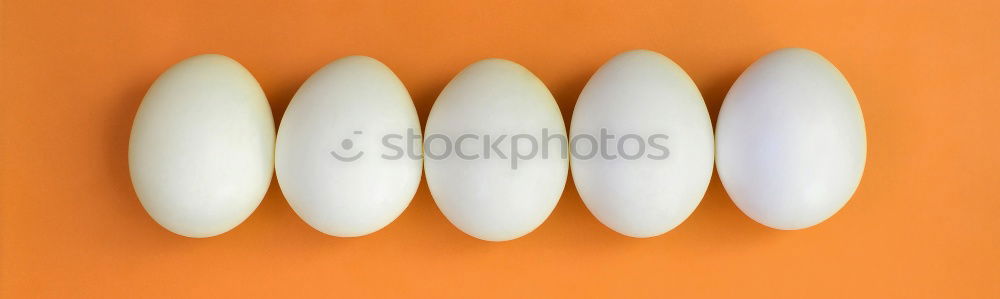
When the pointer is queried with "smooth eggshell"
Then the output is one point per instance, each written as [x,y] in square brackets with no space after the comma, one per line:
[486,197]
[202,146]
[790,140]
[644,93]
[346,108]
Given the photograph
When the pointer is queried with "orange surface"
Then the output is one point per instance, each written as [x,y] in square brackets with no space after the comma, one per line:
[925,221]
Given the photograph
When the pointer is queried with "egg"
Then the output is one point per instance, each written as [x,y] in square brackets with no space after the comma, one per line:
[496,155]
[790,140]
[348,150]
[651,168]
[201,151]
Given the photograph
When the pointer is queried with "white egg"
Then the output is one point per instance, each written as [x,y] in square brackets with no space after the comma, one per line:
[790,140]
[348,150]
[202,146]
[478,151]
[652,167]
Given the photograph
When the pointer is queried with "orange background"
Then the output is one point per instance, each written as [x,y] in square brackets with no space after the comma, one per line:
[925,221]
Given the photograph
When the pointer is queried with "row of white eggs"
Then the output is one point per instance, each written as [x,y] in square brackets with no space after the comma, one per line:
[789,145]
